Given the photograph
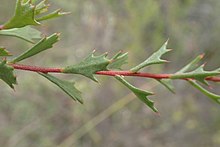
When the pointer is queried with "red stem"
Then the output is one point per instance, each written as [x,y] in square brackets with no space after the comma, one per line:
[108,73]
[36,68]
[138,74]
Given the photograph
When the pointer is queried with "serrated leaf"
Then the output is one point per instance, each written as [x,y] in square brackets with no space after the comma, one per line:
[211,95]
[118,60]
[24,15]
[26,33]
[155,58]
[51,15]
[42,45]
[89,66]
[141,94]
[201,78]
[191,65]
[66,86]
[6,74]
[199,74]
[168,84]
[192,70]
[4,52]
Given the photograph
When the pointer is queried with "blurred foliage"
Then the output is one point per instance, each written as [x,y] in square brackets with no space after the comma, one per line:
[38,114]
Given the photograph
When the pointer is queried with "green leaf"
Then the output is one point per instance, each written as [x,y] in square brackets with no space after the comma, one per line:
[26,33]
[155,58]
[199,74]
[6,74]
[24,15]
[168,84]
[89,66]
[118,60]
[4,52]
[141,94]
[42,45]
[54,14]
[67,87]
[213,96]
[42,7]
[191,65]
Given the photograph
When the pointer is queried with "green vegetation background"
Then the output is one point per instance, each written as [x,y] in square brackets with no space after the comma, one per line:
[38,114]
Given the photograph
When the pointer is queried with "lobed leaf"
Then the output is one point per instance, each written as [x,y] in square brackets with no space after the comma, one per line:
[141,94]
[213,96]
[24,15]
[4,52]
[191,65]
[89,66]
[118,60]
[6,74]
[192,70]
[42,45]
[168,83]
[66,86]
[26,33]
[199,74]
[155,58]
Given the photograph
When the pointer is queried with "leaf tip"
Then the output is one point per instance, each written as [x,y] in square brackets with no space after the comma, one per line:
[169,49]
[105,54]
[166,61]
[166,43]
[202,56]
[203,65]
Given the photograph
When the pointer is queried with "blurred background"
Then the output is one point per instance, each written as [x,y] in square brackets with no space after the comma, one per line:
[38,114]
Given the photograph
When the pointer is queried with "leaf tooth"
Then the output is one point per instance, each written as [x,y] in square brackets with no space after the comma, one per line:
[141,94]
[118,60]
[89,66]
[155,58]
[4,52]
[60,12]
[105,54]
[165,61]
[202,55]
[6,74]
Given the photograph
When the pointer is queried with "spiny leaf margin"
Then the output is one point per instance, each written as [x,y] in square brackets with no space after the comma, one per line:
[6,74]
[4,52]
[89,66]
[141,94]
[155,58]
[209,94]
[118,60]
[24,15]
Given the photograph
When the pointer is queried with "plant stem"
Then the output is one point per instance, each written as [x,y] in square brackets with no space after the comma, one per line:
[107,73]
[137,74]
[36,68]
